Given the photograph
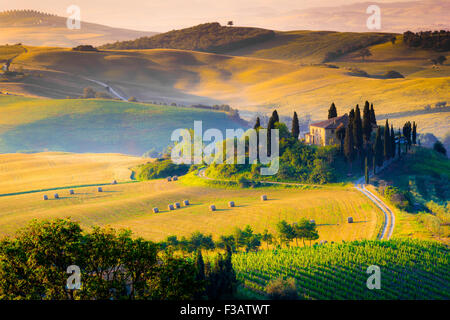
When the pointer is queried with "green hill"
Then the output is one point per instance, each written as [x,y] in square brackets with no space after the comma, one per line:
[209,37]
[101,126]
[410,269]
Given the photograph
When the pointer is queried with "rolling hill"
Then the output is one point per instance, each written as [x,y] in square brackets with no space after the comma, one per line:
[41,29]
[101,126]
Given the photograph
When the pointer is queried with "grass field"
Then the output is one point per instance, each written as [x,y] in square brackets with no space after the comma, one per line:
[77,125]
[130,205]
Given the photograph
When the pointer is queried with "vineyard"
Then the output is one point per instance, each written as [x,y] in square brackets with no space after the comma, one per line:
[410,269]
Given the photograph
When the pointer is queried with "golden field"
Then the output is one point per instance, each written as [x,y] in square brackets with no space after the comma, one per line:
[129,205]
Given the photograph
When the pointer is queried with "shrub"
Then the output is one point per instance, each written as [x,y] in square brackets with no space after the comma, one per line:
[391,74]
[281,289]
[161,168]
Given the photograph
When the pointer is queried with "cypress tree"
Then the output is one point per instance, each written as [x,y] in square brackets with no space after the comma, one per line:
[357,130]
[349,150]
[392,142]
[275,116]
[257,123]
[200,266]
[407,134]
[414,133]
[387,141]
[366,172]
[351,115]
[270,126]
[399,151]
[367,123]
[332,112]
[295,126]
[340,134]
[378,149]
[373,119]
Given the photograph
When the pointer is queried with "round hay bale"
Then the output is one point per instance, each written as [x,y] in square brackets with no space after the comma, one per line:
[174,178]
[100,189]
[212,208]
[263,197]
[177,205]
[56,196]
[169,179]
[186,202]
[350,219]
[45,197]
[72,192]
[170,207]
[114,182]
[231,204]
[155,210]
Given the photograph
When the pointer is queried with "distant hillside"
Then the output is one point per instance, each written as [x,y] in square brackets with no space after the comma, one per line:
[94,125]
[42,29]
[208,37]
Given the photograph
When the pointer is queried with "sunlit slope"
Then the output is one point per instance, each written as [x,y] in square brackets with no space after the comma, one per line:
[37,28]
[77,125]
[130,206]
[250,83]
[26,172]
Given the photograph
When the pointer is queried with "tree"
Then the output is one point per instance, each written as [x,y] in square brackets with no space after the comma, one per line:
[351,116]
[387,142]
[332,112]
[393,147]
[407,130]
[357,130]
[230,23]
[295,126]
[340,134]
[349,149]
[281,289]
[378,149]
[366,171]
[414,133]
[439,147]
[275,116]
[270,126]
[257,123]
[365,52]
[286,232]
[373,118]
[441,60]
[367,123]
[393,39]
[267,238]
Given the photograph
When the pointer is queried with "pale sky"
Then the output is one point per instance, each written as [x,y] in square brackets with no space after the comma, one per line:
[165,15]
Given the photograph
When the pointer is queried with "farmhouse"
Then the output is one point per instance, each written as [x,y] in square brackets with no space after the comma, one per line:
[323,133]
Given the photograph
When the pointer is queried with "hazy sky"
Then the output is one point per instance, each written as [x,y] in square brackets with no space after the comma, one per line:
[164,15]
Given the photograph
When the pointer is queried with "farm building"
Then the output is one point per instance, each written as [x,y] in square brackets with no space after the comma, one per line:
[323,133]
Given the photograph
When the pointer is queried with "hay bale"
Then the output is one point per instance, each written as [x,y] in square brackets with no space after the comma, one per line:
[114,182]
[186,202]
[56,196]
[350,220]
[170,207]
[212,208]
[263,197]
[155,210]
[177,205]
[174,178]
[231,204]
[72,192]
[99,189]
[45,197]
[169,179]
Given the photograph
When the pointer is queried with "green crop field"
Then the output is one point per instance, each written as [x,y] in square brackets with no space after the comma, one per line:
[410,269]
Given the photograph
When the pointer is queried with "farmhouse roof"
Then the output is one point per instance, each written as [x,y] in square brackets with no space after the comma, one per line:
[332,123]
